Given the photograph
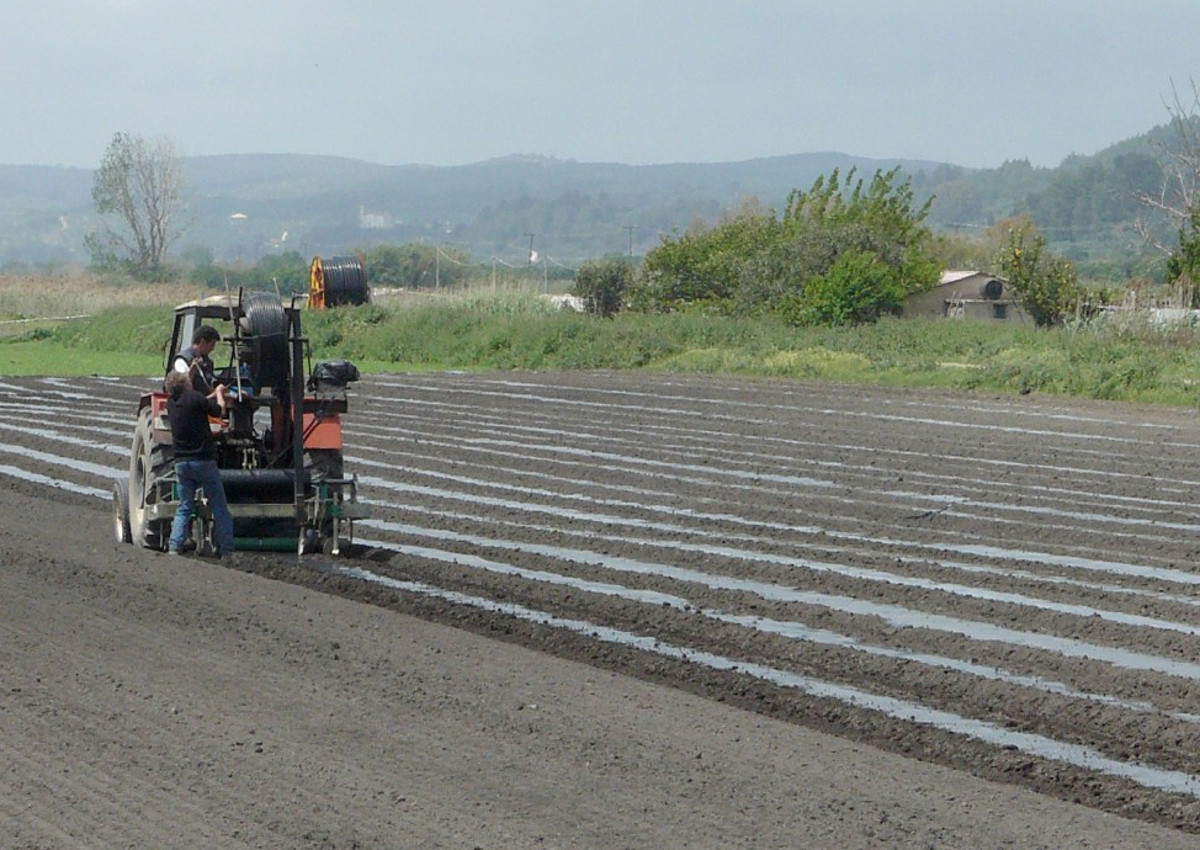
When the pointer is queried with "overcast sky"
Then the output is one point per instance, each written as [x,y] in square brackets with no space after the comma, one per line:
[633,81]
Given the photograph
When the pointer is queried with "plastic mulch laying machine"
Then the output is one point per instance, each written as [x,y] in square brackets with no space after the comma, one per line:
[279,445]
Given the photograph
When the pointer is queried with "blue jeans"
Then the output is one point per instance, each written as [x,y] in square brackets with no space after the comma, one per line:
[191,475]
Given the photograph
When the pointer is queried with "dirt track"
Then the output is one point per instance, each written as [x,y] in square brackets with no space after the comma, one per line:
[622,611]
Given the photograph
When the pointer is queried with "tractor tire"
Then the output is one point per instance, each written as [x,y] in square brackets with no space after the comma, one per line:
[121,511]
[149,463]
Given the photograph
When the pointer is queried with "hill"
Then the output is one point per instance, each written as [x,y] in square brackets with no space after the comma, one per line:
[242,207]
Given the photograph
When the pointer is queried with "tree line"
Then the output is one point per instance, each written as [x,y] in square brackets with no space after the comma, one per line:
[847,250]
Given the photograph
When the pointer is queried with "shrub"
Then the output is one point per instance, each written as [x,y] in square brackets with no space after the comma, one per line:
[859,287]
[1045,285]
[754,264]
[602,285]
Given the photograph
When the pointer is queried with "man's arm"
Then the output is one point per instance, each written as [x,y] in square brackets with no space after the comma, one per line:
[217,401]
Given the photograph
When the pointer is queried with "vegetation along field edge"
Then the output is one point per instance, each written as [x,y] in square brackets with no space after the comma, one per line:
[1131,360]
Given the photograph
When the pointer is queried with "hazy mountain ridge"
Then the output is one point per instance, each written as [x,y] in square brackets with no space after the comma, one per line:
[242,206]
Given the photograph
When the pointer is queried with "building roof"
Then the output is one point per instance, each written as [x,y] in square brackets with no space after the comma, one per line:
[954,276]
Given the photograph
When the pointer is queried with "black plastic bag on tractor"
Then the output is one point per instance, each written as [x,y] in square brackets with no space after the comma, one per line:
[331,375]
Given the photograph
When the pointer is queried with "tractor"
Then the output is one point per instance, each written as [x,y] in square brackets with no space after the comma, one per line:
[279,444]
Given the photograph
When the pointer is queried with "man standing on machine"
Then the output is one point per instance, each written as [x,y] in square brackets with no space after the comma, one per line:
[195,360]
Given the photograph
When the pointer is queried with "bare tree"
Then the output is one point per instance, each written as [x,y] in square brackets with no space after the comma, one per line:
[138,194]
[1179,157]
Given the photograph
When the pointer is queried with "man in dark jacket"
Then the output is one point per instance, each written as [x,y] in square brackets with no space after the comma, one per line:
[195,359]
[196,460]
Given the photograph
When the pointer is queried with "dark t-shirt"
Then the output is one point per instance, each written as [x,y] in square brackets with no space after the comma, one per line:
[190,431]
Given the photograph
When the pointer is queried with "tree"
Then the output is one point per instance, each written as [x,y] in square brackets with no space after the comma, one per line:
[1178,196]
[754,263]
[415,265]
[962,250]
[138,195]
[1045,285]
[705,265]
[1178,152]
[848,251]
[602,284]
[859,287]
[1183,266]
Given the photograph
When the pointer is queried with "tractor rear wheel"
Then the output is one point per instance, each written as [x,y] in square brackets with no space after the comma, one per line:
[121,511]
[149,463]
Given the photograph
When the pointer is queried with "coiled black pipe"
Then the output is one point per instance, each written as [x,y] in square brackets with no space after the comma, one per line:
[345,281]
[265,334]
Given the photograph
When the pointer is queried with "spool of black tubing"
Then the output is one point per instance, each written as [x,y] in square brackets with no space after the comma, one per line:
[264,339]
[345,281]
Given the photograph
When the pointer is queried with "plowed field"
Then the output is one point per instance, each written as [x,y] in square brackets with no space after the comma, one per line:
[613,610]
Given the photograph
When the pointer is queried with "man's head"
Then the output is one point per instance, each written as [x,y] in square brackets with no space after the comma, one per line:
[206,338]
[178,383]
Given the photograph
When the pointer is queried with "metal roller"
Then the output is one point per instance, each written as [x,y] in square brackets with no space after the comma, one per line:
[261,485]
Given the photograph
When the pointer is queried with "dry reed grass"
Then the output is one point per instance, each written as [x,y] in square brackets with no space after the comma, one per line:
[26,297]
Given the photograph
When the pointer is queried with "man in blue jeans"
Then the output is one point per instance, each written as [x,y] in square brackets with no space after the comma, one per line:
[196,460]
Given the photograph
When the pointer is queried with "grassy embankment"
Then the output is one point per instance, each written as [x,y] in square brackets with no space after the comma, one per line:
[126,328]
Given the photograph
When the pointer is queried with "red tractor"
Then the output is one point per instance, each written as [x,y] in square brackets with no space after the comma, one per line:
[279,445]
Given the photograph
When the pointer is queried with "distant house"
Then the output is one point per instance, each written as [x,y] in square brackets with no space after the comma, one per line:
[373,220]
[966,295]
